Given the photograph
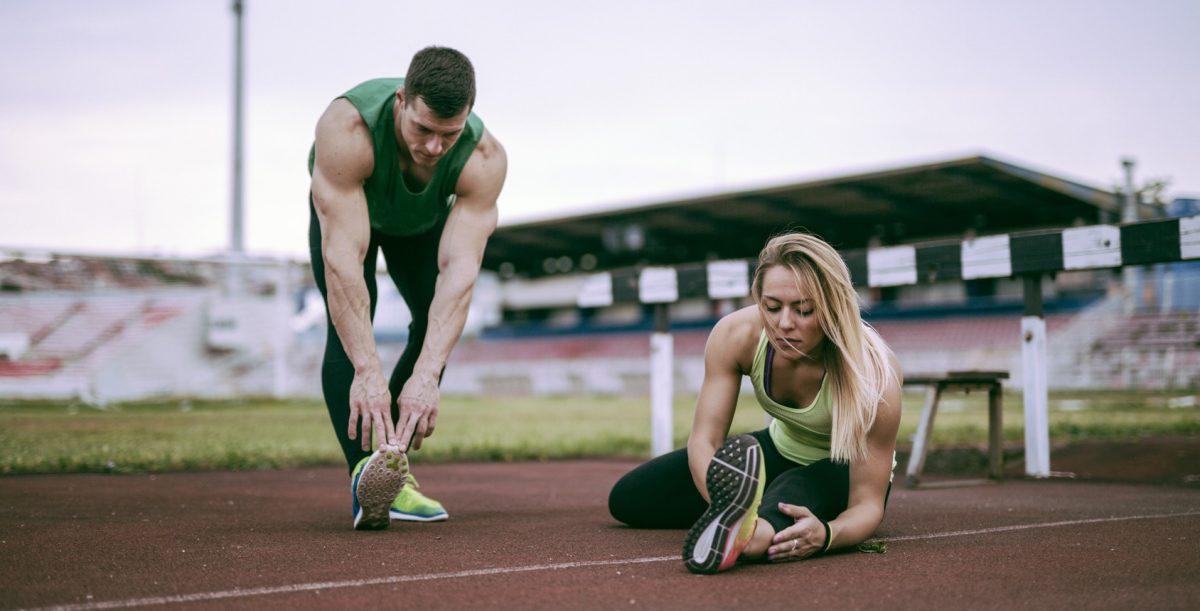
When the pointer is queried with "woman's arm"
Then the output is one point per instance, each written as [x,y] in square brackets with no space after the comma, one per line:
[869,479]
[718,395]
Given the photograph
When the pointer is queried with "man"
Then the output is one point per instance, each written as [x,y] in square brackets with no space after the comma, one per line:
[404,167]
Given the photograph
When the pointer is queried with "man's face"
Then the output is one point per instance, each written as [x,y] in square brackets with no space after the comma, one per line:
[427,136]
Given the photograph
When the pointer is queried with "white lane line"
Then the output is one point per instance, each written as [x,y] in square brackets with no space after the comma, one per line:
[351,583]
[356,583]
[1000,529]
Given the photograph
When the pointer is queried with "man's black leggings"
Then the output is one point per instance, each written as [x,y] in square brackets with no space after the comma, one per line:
[412,263]
[660,493]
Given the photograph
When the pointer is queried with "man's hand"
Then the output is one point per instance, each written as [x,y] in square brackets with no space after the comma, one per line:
[371,401]
[800,540]
[418,411]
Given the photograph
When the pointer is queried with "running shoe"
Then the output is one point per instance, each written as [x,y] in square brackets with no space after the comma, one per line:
[735,480]
[413,506]
[377,479]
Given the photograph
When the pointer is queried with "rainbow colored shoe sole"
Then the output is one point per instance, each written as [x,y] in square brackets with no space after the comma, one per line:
[735,480]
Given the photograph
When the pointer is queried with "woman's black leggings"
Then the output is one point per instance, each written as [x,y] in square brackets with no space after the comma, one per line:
[413,266]
[660,493]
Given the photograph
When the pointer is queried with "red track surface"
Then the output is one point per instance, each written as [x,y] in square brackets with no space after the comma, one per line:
[538,535]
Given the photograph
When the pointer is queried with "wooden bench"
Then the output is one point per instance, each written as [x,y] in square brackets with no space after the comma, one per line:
[968,381]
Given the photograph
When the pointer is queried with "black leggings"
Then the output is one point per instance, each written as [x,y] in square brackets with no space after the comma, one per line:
[412,263]
[660,493]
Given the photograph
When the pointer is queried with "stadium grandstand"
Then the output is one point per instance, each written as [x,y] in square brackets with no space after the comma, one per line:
[111,328]
[1100,335]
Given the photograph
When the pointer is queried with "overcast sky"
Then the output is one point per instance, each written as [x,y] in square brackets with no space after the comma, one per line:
[116,115]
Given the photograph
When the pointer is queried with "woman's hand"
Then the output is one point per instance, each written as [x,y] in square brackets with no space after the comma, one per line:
[800,540]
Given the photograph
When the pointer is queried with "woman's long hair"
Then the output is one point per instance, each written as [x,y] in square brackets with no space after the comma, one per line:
[856,359]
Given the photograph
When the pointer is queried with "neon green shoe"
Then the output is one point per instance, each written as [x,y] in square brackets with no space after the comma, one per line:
[735,480]
[412,506]
[375,479]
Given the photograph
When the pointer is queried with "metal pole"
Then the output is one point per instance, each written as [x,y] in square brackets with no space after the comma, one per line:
[236,243]
[662,382]
[1131,276]
[1034,376]
[282,333]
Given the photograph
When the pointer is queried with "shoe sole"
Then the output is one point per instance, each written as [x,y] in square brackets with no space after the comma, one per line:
[732,480]
[378,484]
[412,517]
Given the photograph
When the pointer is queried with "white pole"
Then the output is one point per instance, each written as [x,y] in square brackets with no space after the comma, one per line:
[1131,275]
[1037,391]
[660,286]
[235,239]
[1037,426]
[662,392]
[282,331]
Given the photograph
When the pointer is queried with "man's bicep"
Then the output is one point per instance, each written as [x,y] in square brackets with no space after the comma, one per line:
[343,158]
[343,218]
[468,228]
[475,213]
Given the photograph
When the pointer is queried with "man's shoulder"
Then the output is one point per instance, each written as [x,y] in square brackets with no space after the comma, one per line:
[343,117]
[488,164]
[488,147]
[343,139]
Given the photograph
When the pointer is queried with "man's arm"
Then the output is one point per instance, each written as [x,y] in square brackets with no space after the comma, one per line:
[460,253]
[344,160]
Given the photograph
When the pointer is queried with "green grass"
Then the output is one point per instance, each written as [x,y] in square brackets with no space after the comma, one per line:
[1074,415]
[47,437]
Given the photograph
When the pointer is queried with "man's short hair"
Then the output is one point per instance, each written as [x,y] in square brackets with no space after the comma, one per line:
[444,78]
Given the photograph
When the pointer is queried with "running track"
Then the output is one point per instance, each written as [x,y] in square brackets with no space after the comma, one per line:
[537,535]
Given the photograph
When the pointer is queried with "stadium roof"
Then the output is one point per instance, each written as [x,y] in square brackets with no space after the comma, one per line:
[921,202]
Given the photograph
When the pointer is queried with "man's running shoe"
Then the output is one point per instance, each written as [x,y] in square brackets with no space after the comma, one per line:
[413,506]
[735,480]
[377,479]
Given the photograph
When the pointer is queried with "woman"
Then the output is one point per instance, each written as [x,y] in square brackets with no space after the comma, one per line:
[818,477]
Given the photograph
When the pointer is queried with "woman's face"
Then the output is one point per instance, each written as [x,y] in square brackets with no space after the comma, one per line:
[790,315]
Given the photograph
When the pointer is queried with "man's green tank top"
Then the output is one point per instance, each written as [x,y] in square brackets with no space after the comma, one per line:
[392,207]
[801,434]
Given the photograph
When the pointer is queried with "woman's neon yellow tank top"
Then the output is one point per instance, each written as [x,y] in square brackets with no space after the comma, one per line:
[801,434]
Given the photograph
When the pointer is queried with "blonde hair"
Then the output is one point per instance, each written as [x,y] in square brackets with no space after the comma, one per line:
[856,359]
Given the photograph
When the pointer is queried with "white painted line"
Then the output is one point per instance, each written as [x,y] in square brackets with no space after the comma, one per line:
[1001,529]
[350,583]
[356,583]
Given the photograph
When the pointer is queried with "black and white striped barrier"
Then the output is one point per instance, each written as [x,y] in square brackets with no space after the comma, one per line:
[1027,255]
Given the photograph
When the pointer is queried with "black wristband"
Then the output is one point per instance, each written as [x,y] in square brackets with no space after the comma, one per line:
[828,536]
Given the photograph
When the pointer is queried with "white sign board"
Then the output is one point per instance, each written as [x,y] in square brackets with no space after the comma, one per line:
[1189,237]
[596,291]
[728,279]
[987,257]
[1091,247]
[658,285]
[892,266]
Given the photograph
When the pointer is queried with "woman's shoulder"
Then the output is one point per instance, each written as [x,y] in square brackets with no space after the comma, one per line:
[737,333]
[745,321]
